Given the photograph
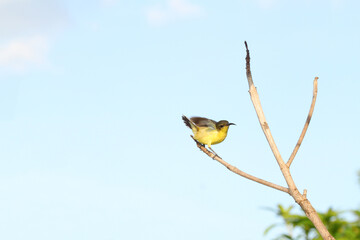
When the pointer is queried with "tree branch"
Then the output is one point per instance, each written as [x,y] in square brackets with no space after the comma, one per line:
[302,135]
[248,72]
[299,198]
[238,171]
[293,191]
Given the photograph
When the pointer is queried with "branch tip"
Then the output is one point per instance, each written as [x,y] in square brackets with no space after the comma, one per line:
[305,193]
[248,71]
[306,125]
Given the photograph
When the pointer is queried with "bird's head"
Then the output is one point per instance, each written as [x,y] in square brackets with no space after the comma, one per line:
[223,123]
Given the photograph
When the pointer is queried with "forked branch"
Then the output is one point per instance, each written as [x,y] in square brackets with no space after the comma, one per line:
[299,198]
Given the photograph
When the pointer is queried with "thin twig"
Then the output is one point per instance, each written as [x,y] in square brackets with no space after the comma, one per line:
[305,193]
[302,135]
[248,72]
[238,171]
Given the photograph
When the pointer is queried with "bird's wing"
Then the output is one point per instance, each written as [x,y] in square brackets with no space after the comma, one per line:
[203,122]
[187,121]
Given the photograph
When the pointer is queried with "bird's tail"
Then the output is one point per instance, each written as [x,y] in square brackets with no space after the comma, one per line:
[187,121]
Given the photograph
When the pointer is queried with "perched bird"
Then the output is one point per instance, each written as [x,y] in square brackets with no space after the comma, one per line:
[206,131]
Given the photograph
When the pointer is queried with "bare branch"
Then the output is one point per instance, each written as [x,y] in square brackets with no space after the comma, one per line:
[248,72]
[299,198]
[302,135]
[293,191]
[238,171]
[259,111]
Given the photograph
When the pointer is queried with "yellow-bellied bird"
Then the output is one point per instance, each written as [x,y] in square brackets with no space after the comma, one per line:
[206,131]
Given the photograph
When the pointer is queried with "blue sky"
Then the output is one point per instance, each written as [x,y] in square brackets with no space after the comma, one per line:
[92,93]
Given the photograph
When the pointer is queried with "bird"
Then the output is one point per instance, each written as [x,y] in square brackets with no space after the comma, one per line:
[206,131]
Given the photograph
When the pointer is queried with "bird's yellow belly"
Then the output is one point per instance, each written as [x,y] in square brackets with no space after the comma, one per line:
[209,137]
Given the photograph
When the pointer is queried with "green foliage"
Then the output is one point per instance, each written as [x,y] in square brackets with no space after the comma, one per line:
[299,227]
[303,228]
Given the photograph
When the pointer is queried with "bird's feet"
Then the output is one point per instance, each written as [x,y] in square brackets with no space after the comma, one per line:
[215,154]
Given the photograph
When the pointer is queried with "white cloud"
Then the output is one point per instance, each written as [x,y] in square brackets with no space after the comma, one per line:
[21,53]
[173,10]
[184,8]
[26,28]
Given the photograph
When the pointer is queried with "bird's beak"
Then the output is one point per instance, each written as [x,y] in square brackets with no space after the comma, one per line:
[231,124]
